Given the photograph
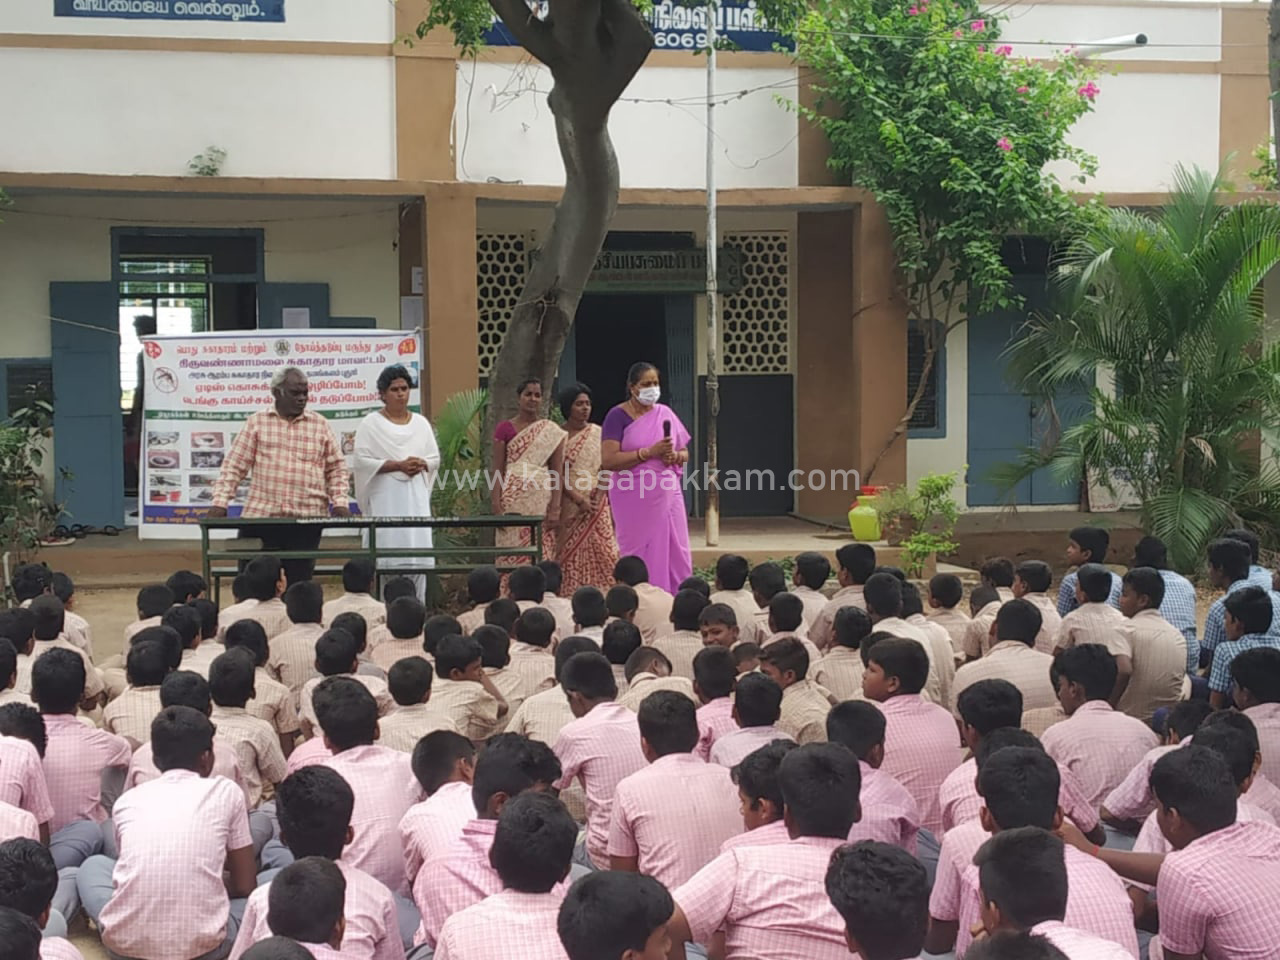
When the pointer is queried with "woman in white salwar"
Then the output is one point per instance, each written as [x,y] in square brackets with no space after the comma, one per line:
[395,459]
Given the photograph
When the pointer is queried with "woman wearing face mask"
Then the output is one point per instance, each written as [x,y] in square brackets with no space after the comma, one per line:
[646,446]
[527,449]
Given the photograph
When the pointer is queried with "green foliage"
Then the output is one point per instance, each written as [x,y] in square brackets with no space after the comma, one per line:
[1171,305]
[925,518]
[708,573]
[27,514]
[1263,175]
[950,134]
[207,164]
[457,428]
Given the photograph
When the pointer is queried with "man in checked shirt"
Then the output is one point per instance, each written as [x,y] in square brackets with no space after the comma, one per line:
[297,471]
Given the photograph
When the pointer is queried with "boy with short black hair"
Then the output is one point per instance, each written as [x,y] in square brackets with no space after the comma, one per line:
[131,713]
[18,627]
[337,655]
[495,658]
[464,691]
[696,583]
[29,884]
[1132,801]
[589,613]
[653,613]
[525,585]
[757,704]
[621,603]
[1085,545]
[560,608]
[1094,619]
[268,584]
[1031,582]
[395,588]
[732,573]
[292,653]
[1151,653]
[889,813]
[48,631]
[186,623]
[306,902]
[840,668]
[812,570]
[984,604]
[1013,656]
[76,627]
[271,699]
[356,625]
[767,581]
[20,936]
[243,602]
[9,675]
[484,584]
[714,677]
[681,641]
[208,612]
[805,705]
[415,714]
[945,595]
[406,620]
[314,806]
[882,894]
[530,655]
[1256,678]
[718,624]
[621,638]
[855,563]
[444,765]
[760,796]
[152,602]
[998,572]
[1250,625]
[746,657]
[168,859]
[503,612]
[186,585]
[250,739]
[616,916]
[358,582]
[920,737]
[648,671]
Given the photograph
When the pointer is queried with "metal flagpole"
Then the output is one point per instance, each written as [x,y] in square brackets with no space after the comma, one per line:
[713,299]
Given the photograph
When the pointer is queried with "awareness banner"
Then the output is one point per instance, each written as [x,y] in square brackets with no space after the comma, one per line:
[199,389]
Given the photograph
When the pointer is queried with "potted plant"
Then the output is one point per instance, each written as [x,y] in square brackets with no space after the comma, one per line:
[921,521]
[27,512]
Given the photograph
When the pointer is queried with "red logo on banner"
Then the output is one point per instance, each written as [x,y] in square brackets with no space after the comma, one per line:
[408,346]
[152,348]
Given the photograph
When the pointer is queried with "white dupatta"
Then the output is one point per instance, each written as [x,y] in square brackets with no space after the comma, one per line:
[379,440]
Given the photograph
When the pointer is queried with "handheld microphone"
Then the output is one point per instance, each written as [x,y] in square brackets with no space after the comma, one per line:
[666,429]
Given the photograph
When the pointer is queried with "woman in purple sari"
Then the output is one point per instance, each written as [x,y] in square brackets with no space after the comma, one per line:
[645,446]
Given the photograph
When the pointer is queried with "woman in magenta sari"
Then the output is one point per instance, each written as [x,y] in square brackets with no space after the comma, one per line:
[646,446]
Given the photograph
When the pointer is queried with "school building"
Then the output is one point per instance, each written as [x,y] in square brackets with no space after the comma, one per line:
[365,181]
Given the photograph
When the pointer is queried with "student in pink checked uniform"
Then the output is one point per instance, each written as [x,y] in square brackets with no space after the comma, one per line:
[882,894]
[305,904]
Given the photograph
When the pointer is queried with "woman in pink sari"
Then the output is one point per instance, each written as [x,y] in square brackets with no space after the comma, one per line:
[586,548]
[527,450]
[646,446]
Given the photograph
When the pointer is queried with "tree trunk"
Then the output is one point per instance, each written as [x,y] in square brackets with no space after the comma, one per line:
[1273,69]
[593,49]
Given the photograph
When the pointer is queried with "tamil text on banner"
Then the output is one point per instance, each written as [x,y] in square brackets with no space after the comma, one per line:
[200,389]
[250,11]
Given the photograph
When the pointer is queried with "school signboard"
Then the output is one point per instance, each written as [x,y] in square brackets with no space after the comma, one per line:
[200,388]
[251,11]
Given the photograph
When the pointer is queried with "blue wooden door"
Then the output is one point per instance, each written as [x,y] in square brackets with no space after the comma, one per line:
[88,431]
[1004,422]
[275,298]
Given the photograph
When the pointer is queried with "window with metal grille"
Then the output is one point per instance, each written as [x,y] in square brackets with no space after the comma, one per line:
[927,420]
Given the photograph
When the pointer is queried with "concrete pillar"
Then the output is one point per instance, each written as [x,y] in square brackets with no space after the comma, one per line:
[451,319]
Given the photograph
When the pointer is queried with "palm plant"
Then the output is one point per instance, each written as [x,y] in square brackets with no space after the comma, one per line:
[1171,306]
[459,489]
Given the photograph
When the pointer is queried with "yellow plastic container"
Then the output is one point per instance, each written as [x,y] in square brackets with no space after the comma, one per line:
[864,522]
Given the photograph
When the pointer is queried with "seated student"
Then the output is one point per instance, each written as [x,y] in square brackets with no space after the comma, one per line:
[76,627]
[242,604]
[532,851]
[681,640]
[1261,794]
[746,657]
[268,585]
[620,640]
[394,589]
[22,747]
[653,612]
[76,759]
[742,891]
[1020,787]
[314,807]
[406,620]
[697,584]
[484,585]
[208,612]
[358,627]
[621,603]
[984,708]
[271,699]
[921,746]
[30,580]
[589,613]
[148,662]
[359,579]
[757,705]
[464,691]
[252,740]
[1132,801]
[1151,655]
[416,714]
[531,657]
[767,580]
[731,589]
[306,902]
[940,651]
[525,585]
[19,935]
[648,671]
[464,874]
[1022,883]
[1179,606]
[49,618]
[503,612]
[336,655]
[291,657]
[812,570]
[1094,620]
[1259,576]
[559,607]
[1249,625]
[1031,582]
[615,916]
[784,617]
[760,796]
[642,835]
[435,629]
[840,669]
[186,585]
[883,595]
[600,746]
[889,813]
[1085,545]
[170,859]
[152,602]
[18,627]
[882,894]
[998,572]
[544,714]
[9,675]
[1256,678]
[444,765]
[855,563]
[1013,657]
[805,704]
[186,623]
[714,677]
[495,659]
[718,624]
[284,948]
[945,594]
[1097,743]
[984,604]
[29,884]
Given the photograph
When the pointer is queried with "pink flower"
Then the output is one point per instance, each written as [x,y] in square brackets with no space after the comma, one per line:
[1089,90]
[1004,144]
[978,26]
[913,12]
[982,48]
[1003,50]
[957,34]
[1024,90]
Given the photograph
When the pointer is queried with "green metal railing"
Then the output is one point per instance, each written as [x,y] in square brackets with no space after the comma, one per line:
[222,563]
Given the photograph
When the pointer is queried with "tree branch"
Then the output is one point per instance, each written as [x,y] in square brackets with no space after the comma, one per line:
[532,34]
